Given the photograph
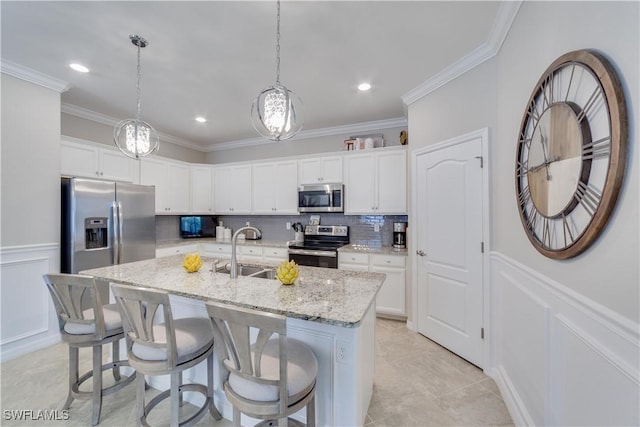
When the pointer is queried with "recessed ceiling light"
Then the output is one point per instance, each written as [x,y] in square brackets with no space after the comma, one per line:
[364,86]
[79,67]
[201,119]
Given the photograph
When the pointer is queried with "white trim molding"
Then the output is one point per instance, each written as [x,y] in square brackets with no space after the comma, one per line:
[315,133]
[21,72]
[28,319]
[507,12]
[558,357]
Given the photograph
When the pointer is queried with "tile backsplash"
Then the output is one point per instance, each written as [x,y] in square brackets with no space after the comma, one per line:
[361,227]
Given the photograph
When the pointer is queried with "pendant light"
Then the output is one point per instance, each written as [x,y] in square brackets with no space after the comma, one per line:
[276,113]
[134,137]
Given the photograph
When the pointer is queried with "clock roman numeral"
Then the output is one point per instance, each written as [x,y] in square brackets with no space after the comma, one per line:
[547,91]
[588,196]
[573,69]
[532,220]
[546,233]
[524,197]
[596,149]
[566,231]
[591,103]
[521,168]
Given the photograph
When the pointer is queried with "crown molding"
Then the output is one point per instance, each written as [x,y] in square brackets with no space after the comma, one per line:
[502,24]
[84,113]
[32,76]
[316,133]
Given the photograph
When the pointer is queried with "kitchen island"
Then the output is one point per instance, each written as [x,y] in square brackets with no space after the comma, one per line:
[332,311]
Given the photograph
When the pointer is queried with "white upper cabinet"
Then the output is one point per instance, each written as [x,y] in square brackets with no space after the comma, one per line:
[274,190]
[376,183]
[172,182]
[89,161]
[320,170]
[202,189]
[232,189]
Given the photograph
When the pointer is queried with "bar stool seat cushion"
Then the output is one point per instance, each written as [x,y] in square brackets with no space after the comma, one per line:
[111,321]
[302,369]
[193,336]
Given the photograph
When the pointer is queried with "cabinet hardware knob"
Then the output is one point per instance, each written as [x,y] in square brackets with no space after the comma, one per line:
[421,253]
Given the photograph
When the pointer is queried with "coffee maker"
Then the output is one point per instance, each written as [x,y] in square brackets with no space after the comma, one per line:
[399,235]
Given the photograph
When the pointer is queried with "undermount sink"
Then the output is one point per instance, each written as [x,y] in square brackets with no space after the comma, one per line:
[250,271]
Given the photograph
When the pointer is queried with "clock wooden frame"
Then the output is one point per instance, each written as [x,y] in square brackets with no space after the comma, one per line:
[584,208]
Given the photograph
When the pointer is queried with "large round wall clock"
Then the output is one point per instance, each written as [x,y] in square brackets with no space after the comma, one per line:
[571,154]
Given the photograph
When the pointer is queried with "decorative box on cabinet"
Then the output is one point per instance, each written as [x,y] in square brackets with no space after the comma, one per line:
[172,181]
[320,170]
[376,183]
[391,296]
[88,161]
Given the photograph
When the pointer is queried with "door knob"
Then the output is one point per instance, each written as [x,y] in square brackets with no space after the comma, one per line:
[421,253]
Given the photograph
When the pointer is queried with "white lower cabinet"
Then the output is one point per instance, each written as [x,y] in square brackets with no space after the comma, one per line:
[251,254]
[391,296]
[217,250]
[176,250]
[274,256]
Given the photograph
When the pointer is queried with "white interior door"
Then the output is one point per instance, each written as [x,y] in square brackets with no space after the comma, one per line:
[449,191]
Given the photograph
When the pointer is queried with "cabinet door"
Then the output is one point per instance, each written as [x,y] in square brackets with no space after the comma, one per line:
[232,194]
[179,188]
[309,171]
[274,256]
[240,187]
[286,189]
[116,166]
[78,160]
[360,184]
[332,169]
[391,296]
[202,189]
[263,190]
[353,261]
[391,180]
[154,172]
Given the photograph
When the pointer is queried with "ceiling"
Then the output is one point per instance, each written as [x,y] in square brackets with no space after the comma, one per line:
[212,58]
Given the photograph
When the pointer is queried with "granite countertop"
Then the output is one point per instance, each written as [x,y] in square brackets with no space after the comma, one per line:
[213,240]
[384,250]
[336,297]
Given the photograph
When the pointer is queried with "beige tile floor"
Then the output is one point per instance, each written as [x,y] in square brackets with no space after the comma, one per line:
[417,383]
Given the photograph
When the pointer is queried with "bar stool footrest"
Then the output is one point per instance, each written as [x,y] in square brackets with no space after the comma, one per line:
[199,388]
[123,381]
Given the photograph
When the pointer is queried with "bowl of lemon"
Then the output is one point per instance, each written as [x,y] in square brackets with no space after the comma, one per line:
[287,272]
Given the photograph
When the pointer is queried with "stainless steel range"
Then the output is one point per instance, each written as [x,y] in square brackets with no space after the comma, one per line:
[320,246]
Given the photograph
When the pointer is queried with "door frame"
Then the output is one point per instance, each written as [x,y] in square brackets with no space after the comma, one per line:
[483,135]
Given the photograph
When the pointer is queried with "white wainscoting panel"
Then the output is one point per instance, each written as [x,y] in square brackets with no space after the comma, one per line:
[28,319]
[558,357]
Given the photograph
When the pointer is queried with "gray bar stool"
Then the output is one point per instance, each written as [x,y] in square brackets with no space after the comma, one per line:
[87,327]
[270,379]
[166,348]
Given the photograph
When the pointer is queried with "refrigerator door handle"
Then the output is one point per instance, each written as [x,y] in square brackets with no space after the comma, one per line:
[116,231]
[120,243]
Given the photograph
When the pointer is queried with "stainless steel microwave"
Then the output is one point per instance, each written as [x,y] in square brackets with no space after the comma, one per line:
[321,198]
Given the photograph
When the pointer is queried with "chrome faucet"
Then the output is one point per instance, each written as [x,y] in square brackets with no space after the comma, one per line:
[234,267]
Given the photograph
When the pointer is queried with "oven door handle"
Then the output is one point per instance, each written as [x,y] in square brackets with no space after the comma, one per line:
[313,253]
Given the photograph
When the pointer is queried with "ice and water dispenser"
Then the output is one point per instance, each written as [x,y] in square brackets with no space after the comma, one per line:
[95,232]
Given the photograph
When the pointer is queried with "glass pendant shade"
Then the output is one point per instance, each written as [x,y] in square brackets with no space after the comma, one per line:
[277,113]
[133,137]
[145,143]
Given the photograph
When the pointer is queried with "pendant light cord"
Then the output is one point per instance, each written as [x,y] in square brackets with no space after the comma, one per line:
[138,91]
[278,47]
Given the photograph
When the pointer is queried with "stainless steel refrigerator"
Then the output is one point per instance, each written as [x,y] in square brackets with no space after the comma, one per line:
[106,223]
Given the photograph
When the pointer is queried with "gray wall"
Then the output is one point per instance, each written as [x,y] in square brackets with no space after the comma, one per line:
[89,130]
[294,147]
[494,95]
[30,163]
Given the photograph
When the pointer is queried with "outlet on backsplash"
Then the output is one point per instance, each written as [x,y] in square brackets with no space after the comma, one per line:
[376,228]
